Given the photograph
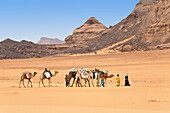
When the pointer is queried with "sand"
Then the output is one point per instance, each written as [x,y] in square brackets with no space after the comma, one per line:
[149,75]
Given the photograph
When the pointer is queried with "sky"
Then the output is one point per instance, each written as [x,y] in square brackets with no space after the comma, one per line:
[32,19]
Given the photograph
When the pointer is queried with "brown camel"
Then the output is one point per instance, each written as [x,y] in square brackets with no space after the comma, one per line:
[100,75]
[43,77]
[28,76]
[72,74]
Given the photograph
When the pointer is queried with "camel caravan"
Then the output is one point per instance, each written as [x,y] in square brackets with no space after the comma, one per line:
[86,75]
[75,78]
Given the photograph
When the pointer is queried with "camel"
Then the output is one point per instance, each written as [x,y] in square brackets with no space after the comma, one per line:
[28,76]
[100,75]
[83,74]
[72,74]
[43,77]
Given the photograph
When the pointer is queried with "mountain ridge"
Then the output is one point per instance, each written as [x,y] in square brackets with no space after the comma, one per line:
[149,23]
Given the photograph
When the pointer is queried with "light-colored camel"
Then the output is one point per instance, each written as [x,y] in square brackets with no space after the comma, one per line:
[72,74]
[100,75]
[85,77]
[43,77]
[28,76]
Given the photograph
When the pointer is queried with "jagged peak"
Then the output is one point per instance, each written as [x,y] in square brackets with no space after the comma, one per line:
[92,20]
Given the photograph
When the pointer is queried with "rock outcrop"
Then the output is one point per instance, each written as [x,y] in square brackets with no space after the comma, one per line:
[10,49]
[148,24]
[89,30]
[49,41]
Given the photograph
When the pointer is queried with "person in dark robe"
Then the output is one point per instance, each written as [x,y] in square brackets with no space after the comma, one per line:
[127,80]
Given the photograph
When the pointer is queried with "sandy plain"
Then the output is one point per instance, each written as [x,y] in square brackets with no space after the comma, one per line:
[149,75]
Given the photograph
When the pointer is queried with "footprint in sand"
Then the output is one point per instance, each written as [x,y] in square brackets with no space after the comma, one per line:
[153,101]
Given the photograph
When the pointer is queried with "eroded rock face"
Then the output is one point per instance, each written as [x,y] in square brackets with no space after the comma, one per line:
[89,30]
[149,23]
[49,41]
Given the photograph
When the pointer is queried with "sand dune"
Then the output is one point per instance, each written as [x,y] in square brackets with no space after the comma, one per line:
[148,75]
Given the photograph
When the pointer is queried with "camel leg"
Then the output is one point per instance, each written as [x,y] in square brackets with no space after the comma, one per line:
[98,82]
[76,80]
[88,82]
[49,81]
[31,83]
[28,83]
[43,82]
[80,82]
[39,82]
[73,82]
[85,81]
[105,82]
[92,82]
[20,82]
[23,83]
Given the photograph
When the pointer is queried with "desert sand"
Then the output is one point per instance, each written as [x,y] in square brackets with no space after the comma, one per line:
[149,76]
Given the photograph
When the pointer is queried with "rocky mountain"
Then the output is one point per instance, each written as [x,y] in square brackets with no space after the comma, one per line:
[10,49]
[49,41]
[145,28]
[89,30]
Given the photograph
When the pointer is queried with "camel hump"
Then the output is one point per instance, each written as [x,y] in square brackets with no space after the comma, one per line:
[27,74]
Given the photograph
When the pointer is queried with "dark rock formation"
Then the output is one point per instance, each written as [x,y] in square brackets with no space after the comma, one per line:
[10,49]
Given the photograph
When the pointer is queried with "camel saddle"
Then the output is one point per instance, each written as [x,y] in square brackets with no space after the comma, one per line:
[28,75]
[47,74]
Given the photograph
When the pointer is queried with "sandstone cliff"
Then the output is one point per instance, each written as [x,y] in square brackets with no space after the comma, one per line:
[89,30]
[49,41]
[146,27]
[148,24]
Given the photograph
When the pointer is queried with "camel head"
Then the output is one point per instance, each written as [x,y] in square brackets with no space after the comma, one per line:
[34,74]
[67,79]
[55,73]
[97,70]
[110,76]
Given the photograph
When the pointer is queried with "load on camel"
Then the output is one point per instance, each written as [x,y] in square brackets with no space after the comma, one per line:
[47,75]
[27,75]
[97,74]
[83,74]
